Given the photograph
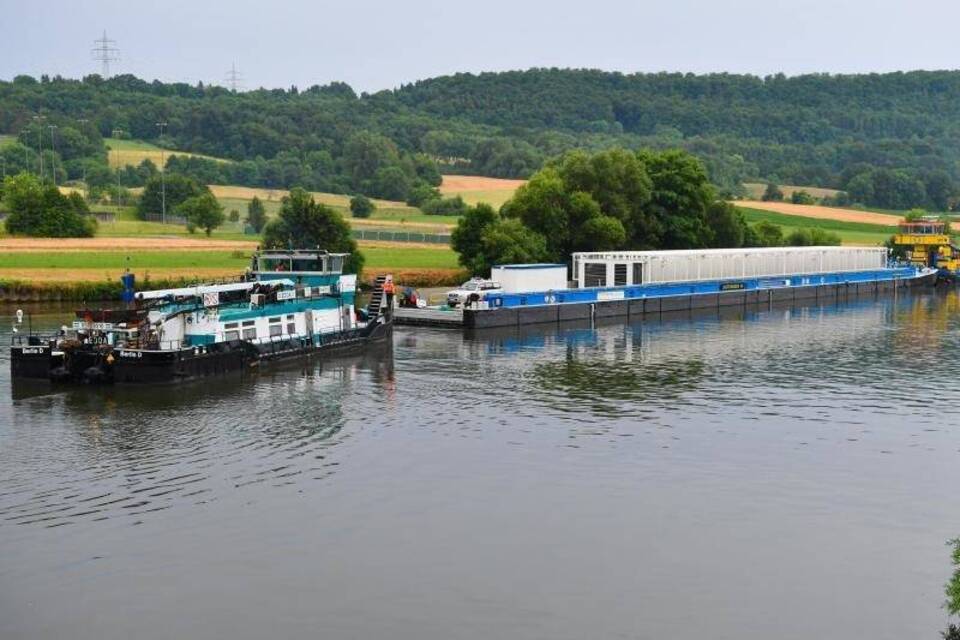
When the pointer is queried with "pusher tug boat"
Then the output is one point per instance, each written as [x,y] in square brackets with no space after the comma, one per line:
[290,304]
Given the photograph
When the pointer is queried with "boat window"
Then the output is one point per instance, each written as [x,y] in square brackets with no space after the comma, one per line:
[250,334]
[231,325]
[594,274]
[291,326]
[276,330]
[231,335]
[274,320]
[289,316]
[637,273]
[620,275]
[249,323]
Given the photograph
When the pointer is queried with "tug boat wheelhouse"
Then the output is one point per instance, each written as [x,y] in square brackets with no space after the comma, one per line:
[290,303]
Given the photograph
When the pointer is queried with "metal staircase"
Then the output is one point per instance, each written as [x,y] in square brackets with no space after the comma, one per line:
[377,297]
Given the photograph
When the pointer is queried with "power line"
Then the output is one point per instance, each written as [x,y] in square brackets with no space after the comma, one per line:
[234,78]
[105,52]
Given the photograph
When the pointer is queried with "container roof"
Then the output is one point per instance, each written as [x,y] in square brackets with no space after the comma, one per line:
[543,265]
[721,252]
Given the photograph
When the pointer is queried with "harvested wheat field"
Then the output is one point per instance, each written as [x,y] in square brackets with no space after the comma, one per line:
[822,213]
[474,189]
[66,276]
[47,245]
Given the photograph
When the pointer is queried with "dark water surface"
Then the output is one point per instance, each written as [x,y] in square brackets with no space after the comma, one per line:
[790,473]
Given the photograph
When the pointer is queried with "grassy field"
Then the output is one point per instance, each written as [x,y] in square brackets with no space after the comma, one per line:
[756,189]
[849,232]
[389,214]
[6,139]
[133,152]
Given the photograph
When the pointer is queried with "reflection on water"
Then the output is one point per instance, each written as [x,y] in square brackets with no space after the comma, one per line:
[559,481]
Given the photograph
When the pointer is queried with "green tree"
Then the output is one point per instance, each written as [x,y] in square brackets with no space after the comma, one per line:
[390,183]
[768,234]
[802,197]
[178,189]
[256,214]
[234,216]
[727,225]
[509,242]
[201,212]
[361,206]
[422,193]
[772,193]
[302,223]
[467,238]
[41,210]
[680,197]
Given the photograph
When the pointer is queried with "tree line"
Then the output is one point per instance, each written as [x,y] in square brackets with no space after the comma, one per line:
[819,130]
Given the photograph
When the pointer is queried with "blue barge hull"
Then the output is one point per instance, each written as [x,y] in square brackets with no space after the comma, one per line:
[510,309]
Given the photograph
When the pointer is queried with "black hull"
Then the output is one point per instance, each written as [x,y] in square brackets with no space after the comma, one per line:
[133,366]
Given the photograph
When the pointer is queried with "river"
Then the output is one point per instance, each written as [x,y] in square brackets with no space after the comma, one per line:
[788,472]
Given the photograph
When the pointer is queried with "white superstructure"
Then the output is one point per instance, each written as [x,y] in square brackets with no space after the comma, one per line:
[623,268]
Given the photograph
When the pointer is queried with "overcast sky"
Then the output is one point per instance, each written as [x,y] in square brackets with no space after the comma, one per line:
[379,44]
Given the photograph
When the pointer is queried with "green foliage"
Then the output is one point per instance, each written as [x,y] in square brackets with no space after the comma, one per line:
[953,586]
[234,216]
[802,197]
[768,234]
[41,210]
[813,237]
[454,206]
[901,188]
[728,227]
[201,212]
[772,193]
[422,193]
[361,206]
[509,242]
[256,214]
[302,223]
[178,189]
[467,238]
[915,215]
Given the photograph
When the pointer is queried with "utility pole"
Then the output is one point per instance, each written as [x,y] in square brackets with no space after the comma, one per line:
[234,78]
[116,136]
[38,120]
[105,52]
[53,158]
[163,177]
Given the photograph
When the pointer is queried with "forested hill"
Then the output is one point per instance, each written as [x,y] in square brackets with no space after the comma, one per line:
[817,130]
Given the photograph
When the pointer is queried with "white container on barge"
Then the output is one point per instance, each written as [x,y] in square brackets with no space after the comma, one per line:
[523,278]
[625,268]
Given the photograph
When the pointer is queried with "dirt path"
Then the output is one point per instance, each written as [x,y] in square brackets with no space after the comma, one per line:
[173,243]
[822,213]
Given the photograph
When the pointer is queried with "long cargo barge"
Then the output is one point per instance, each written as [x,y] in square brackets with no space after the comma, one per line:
[637,283]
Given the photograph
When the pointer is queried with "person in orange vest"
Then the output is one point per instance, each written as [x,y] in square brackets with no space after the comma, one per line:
[388,292]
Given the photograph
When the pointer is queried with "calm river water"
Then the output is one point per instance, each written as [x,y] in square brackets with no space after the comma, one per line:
[787,473]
